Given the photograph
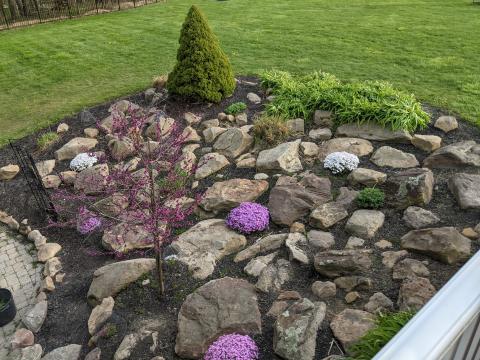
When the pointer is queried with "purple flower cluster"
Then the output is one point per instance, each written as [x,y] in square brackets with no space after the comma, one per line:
[248,217]
[232,347]
[87,222]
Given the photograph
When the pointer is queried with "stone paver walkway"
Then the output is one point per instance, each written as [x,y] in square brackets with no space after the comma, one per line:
[19,273]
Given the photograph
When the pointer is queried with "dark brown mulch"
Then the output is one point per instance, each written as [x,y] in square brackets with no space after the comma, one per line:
[139,305]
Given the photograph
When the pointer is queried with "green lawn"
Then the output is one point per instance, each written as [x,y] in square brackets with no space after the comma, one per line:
[429,47]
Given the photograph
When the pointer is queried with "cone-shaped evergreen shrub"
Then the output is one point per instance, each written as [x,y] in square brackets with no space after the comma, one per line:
[203,71]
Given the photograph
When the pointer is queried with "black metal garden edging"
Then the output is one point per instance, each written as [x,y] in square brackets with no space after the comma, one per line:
[34,181]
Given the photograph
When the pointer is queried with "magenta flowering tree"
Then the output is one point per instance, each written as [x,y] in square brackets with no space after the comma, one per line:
[248,217]
[112,195]
[232,347]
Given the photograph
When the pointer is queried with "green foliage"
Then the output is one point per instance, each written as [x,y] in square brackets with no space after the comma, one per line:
[110,330]
[203,71]
[270,130]
[386,327]
[47,139]
[352,102]
[3,303]
[236,108]
[371,198]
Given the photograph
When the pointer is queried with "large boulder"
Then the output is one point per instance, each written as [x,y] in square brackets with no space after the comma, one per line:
[291,199]
[284,157]
[394,158]
[458,155]
[295,332]
[233,143]
[365,223]
[350,325]
[326,215]
[466,189]
[160,127]
[68,352]
[33,319]
[209,164]
[414,293]
[417,217]
[335,263]
[226,195]
[220,306]
[274,276]
[373,132]
[110,279]
[445,244]
[45,167]
[359,147]
[124,237]
[92,180]
[112,205]
[74,147]
[409,187]
[427,143]
[204,244]
[366,177]
[9,171]
[121,149]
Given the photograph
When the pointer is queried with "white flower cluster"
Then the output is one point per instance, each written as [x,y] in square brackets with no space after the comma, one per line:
[339,162]
[82,161]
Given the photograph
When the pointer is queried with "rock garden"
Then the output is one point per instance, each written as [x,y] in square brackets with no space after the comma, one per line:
[271,217]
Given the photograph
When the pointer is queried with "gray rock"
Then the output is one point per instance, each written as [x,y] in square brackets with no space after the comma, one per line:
[68,352]
[112,278]
[228,194]
[254,98]
[112,205]
[462,154]
[347,197]
[189,134]
[359,147]
[256,265]
[296,126]
[125,236]
[445,244]
[86,118]
[74,147]
[191,118]
[241,119]
[92,180]
[160,127]
[320,134]
[414,293]
[446,123]
[326,215]
[45,167]
[8,172]
[274,276]
[120,149]
[211,133]
[48,251]
[323,118]
[366,177]
[354,242]
[466,189]
[409,187]
[324,289]
[390,258]
[378,303]
[295,331]
[204,244]
[387,156]
[262,245]
[220,306]
[349,283]
[309,149]
[292,199]
[417,217]
[51,181]
[210,164]
[373,132]
[233,143]
[320,240]
[350,325]
[294,243]
[284,157]
[129,343]
[427,143]
[365,223]
[407,268]
[33,352]
[335,263]
[100,314]
[95,354]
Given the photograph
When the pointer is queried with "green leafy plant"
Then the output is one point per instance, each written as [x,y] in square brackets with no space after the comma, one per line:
[47,139]
[3,303]
[386,327]
[236,108]
[202,71]
[371,198]
[270,130]
[354,102]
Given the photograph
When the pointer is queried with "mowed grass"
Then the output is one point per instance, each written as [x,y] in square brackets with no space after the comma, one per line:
[428,47]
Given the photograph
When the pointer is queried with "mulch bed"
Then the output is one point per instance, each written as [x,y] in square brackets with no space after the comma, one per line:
[139,305]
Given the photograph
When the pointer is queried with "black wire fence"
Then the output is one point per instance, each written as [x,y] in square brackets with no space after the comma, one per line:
[17,13]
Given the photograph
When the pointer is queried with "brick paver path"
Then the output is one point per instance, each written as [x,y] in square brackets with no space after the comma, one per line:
[19,273]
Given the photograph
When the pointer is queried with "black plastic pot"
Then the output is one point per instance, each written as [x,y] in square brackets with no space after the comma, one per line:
[8,312]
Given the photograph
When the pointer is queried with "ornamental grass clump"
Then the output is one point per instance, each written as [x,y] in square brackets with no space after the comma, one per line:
[232,347]
[248,217]
[203,71]
[341,162]
[352,102]
[270,130]
[371,198]
[83,161]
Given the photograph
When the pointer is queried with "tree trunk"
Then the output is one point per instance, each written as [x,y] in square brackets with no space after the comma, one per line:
[14,13]
[161,280]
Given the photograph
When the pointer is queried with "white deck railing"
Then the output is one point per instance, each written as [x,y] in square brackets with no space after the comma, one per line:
[447,327]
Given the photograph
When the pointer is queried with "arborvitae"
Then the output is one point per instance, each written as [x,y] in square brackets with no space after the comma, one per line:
[203,71]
